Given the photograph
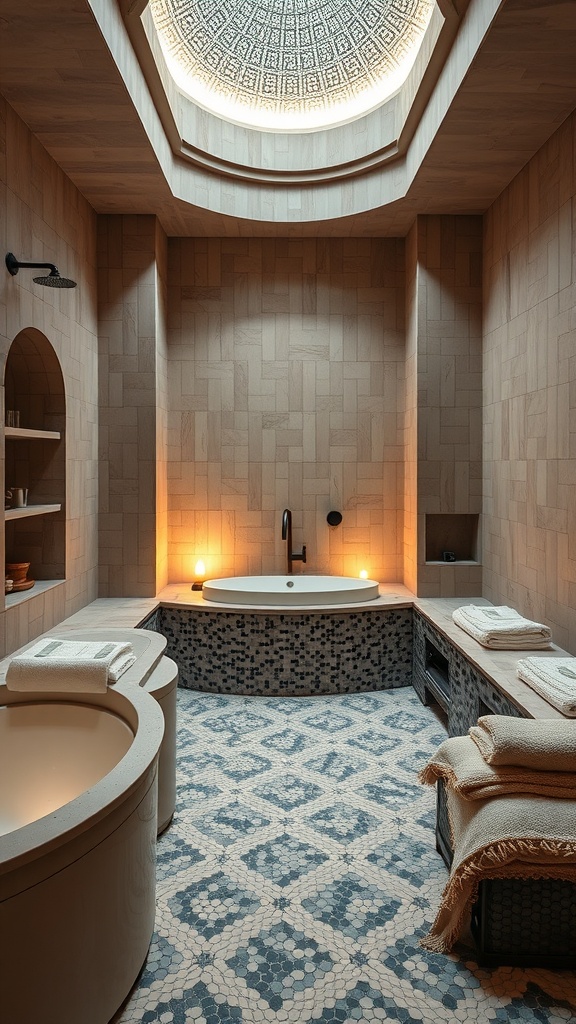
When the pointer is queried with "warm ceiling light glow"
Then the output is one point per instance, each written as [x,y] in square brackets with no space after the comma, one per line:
[363,574]
[290,66]
[199,569]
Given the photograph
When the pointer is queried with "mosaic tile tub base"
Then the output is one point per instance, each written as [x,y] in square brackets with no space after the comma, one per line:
[296,654]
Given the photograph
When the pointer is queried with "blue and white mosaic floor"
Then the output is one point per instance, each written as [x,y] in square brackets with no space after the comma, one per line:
[300,871]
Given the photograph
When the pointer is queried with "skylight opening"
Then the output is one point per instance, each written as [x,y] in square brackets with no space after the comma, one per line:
[290,65]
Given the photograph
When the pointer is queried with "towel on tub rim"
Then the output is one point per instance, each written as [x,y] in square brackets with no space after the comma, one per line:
[69,665]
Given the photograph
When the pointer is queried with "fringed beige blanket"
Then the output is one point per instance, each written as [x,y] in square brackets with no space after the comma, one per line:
[543,744]
[460,764]
[513,837]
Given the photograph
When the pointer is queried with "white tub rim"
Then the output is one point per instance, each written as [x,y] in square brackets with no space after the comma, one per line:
[58,830]
[290,591]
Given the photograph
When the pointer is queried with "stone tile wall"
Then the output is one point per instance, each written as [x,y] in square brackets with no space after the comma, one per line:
[286,365]
[443,427]
[133,406]
[45,219]
[529,507]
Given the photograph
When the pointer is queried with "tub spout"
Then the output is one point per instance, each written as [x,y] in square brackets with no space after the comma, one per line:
[291,556]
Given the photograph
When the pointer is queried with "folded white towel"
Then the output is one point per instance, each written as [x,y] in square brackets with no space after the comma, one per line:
[69,665]
[554,679]
[502,628]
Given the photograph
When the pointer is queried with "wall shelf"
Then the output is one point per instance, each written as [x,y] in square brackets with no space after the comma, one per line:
[35,460]
[457,561]
[457,533]
[28,433]
[30,510]
[40,587]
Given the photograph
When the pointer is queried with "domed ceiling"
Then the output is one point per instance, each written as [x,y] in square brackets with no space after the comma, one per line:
[290,64]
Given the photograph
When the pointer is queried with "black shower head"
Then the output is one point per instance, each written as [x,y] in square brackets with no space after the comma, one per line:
[52,280]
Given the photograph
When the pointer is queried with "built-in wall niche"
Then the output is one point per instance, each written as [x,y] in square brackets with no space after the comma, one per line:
[35,460]
[452,538]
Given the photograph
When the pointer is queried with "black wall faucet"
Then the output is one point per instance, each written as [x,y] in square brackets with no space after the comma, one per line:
[291,556]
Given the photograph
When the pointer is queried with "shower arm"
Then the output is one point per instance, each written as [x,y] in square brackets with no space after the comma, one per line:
[14,266]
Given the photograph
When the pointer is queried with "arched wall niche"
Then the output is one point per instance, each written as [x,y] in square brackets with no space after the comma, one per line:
[35,458]
[34,383]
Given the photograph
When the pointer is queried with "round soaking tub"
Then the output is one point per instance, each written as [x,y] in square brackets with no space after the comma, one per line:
[290,590]
[78,794]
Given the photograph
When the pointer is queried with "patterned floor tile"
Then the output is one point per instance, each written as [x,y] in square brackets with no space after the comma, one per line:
[288,792]
[227,824]
[272,909]
[212,903]
[391,793]
[375,741]
[280,962]
[352,906]
[288,741]
[336,765]
[283,859]
[342,822]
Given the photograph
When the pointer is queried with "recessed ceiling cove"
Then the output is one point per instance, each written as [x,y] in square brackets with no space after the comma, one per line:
[290,64]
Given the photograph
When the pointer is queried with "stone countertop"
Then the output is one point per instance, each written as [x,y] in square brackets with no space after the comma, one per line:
[179,595]
[499,667]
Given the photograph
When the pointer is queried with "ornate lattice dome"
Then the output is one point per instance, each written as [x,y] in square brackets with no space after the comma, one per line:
[290,64]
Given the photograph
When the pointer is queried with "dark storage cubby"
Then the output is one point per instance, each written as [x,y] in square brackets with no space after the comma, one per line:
[443,840]
[457,534]
[526,922]
[437,674]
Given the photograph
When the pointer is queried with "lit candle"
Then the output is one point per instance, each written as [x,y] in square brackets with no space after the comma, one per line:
[199,574]
[363,574]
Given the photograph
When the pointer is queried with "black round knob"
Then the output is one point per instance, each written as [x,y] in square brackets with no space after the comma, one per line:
[334,518]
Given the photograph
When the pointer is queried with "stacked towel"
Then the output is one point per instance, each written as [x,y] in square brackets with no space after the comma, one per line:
[69,665]
[524,833]
[502,628]
[514,837]
[459,763]
[554,679]
[544,744]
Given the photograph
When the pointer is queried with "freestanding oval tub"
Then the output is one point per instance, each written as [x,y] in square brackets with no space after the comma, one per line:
[77,857]
[290,590]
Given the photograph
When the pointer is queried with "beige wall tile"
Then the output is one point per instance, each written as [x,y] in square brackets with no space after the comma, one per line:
[312,335]
[530,393]
[34,194]
[133,364]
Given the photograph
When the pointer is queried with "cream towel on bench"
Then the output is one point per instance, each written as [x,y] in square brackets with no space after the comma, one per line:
[512,837]
[69,665]
[502,628]
[554,679]
[459,763]
[544,744]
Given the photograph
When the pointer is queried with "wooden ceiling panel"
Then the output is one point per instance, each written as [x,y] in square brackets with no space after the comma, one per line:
[57,73]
